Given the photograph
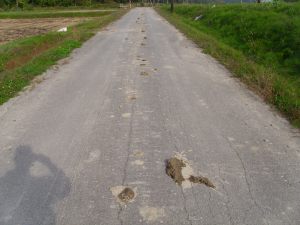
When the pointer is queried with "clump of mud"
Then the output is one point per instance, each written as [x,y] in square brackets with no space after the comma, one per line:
[123,194]
[132,97]
[175,167]
[143,73]
[126,195]
[202,180]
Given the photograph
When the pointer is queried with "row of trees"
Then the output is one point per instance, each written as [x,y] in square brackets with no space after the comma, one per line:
[22,3]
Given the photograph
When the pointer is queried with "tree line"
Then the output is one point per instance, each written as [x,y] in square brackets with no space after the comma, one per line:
[23,3]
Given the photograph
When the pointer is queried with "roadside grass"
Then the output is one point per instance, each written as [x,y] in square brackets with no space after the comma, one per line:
[23,59]
[278,85]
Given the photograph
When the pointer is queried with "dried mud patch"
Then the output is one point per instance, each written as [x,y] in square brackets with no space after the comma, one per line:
[123,194]
[126,195]
[179,169]
[202,180]
[144,73]
[173,169]
[131,95]
[151,214]
[138,153]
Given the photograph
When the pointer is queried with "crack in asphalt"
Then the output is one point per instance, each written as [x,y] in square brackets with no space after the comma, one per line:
[127,158]
[227,198]
[130,132]
[246,180]
[128,143]
[185,208]
[209,205]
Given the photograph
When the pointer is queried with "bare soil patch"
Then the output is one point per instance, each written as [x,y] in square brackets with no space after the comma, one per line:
[11,29]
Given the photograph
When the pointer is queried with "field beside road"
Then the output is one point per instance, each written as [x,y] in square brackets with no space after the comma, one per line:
[260,44]
[54,13]
[11,29]
[33,45]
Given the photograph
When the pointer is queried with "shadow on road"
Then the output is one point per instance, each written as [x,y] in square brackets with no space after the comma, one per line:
[29,192]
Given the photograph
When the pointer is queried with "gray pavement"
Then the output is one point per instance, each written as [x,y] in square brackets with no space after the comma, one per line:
[111,114]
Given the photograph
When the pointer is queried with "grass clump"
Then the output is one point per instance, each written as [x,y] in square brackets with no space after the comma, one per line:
[259,43]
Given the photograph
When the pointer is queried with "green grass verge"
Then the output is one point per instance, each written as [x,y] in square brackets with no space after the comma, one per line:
[281,90]
[34,55]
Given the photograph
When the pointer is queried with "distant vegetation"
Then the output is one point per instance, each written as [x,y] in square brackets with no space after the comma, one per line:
[28,4]
[259,42]
[51,14]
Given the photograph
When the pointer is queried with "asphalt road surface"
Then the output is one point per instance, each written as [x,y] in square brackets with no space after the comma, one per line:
[111,115]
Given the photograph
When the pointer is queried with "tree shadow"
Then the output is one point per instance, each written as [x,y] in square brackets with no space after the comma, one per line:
[29,192]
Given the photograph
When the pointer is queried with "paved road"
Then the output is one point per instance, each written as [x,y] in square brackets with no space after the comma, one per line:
[130,98]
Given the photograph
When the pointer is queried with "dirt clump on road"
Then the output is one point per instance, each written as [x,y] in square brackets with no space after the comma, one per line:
[132,97]
[143,73]
[179,169]
[126,195]
[201,180]
[173,169]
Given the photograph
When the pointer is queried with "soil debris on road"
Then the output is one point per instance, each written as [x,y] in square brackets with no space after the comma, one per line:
[202,180]
[174,167]
[123,194]
[143,73]
[126,195]
[180,171]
